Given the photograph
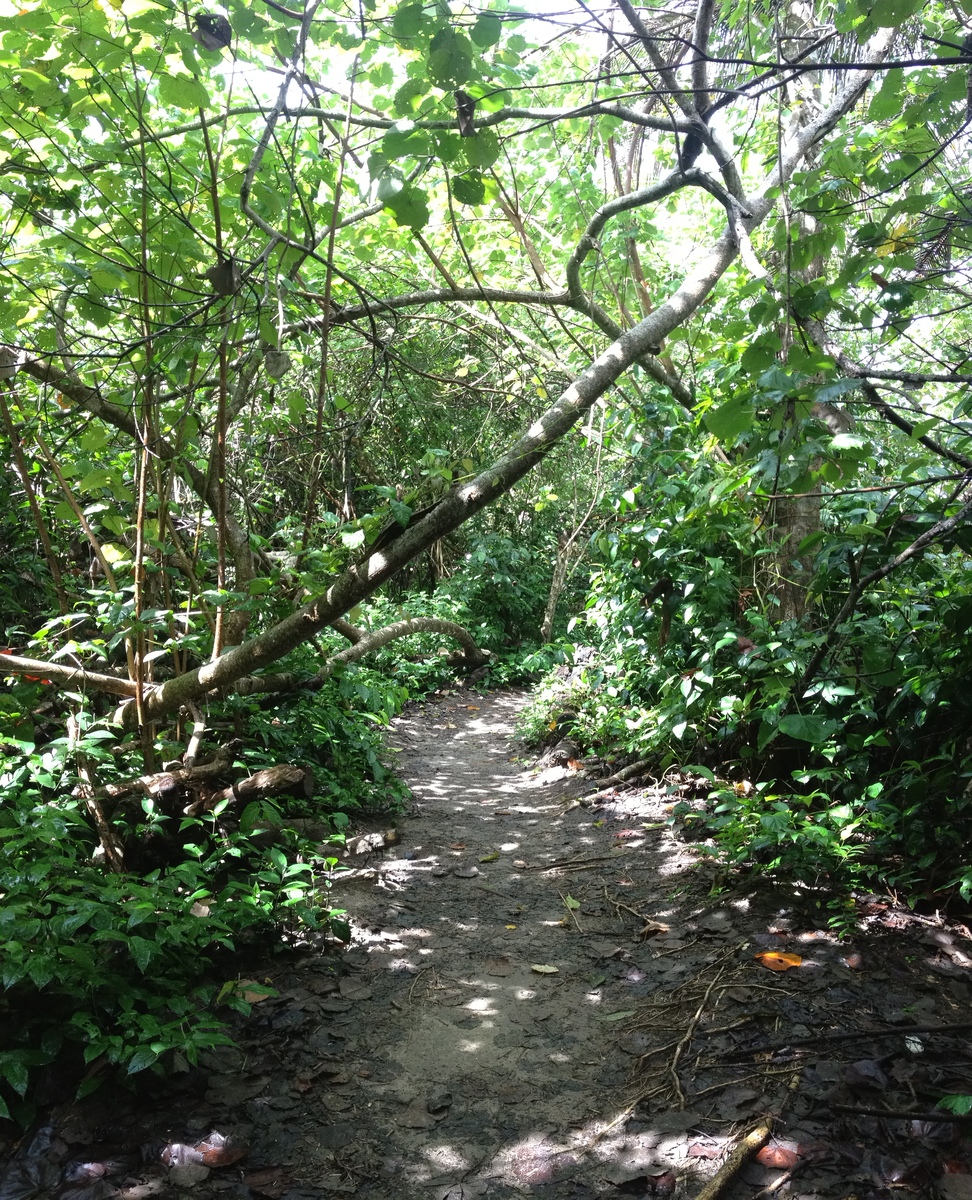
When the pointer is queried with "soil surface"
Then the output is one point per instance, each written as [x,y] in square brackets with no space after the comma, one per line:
[542,998]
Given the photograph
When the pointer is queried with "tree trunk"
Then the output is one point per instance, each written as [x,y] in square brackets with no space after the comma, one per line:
[561,568]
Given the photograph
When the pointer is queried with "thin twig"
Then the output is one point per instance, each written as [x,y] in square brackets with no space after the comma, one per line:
[772,1188]
[687,1037]
[572,863]
[894,1114]
[570,911]
[856,1035]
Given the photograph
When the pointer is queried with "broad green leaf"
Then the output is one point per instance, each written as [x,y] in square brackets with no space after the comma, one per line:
[888,13]
[450,59]
[849,442]
[805,728]
[14,1071]
[487,31]
[468,188]
[143,1057]
[408,20]
[731,419]
[831,391]
[141,950]
[483,149]
[402,141]
[116,553]
[183,91]
[409,206]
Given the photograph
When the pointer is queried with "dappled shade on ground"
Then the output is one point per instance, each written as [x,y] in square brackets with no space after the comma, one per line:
[540,998]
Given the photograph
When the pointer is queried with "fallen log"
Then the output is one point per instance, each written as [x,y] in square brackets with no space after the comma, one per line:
[283,779]
[162,783]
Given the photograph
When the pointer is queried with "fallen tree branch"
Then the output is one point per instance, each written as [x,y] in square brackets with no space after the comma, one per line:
[899,1115]
[751,1144]
[856,1035]
[606,786]
[364,643]
[160,782]
[284,778]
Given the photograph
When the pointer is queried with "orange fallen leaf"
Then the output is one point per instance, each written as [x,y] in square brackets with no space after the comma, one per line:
[220,1151]
[575,764]
[778,960]
[777,1156]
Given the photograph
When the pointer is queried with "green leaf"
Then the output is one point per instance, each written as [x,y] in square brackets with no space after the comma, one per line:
[183,91]
[731,419]
[409,206]
[94,480]
[408,20]
[142,951]
[14,1071]
[887,101]
[487,31]
[850,442]
[815,730]
[403,140]
[143,1057]
[831,391]
[483,149]
[888,13]
[341,929]
[468,188]
[450,59]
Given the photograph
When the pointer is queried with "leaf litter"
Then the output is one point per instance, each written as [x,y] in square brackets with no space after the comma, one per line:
[432,1058]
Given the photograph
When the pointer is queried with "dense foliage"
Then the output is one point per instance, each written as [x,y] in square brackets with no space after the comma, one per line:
[333,337]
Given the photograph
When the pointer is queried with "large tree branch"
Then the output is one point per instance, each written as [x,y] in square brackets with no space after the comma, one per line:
[457,506]
[596,108]
[66,676]
[367,643]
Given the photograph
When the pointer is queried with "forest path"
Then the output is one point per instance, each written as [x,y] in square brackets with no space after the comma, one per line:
[487,1076]
[431,1059]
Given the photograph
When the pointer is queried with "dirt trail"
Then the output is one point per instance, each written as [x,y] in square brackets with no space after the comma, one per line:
[494,1075]
[431,1059]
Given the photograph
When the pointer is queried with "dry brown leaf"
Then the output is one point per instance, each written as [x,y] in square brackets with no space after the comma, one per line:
[499,966]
